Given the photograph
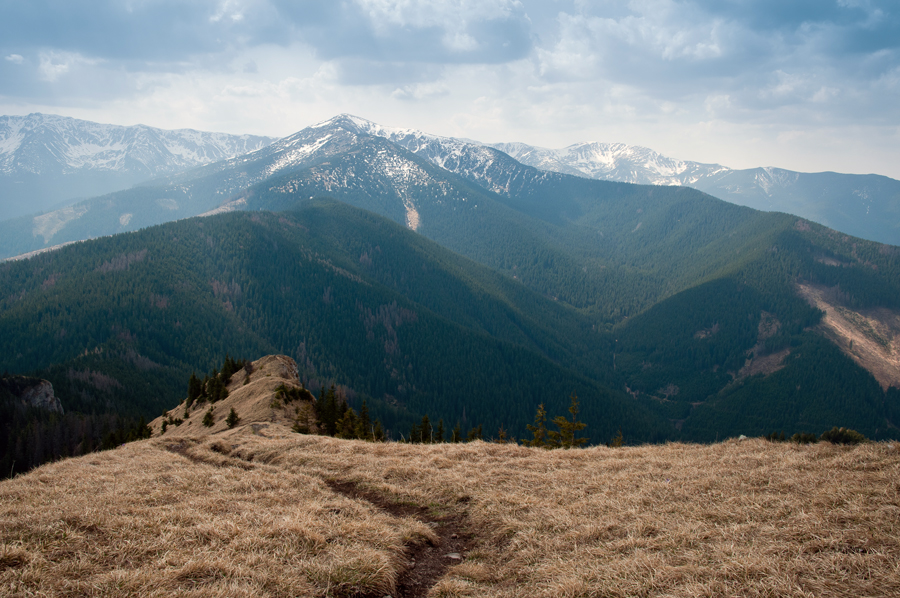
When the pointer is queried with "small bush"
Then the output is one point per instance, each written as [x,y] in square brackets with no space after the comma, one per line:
[804,438]
[208,419]
[618,441]
[842,436]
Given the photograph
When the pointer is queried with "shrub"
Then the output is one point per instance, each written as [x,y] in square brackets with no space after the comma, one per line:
[804,438]
[842,436]
[618,441]
[208,419]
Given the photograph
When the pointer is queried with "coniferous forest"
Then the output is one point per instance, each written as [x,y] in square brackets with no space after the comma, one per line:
[645,305]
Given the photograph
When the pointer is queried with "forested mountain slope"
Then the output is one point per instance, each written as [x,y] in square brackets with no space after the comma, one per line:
[659,304]
[119,323]
[355,299]
[866,206]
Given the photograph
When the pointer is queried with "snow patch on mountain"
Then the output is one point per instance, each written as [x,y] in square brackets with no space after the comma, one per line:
[46,143]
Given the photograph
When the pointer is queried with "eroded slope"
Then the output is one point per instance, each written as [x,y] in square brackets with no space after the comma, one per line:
[871,337]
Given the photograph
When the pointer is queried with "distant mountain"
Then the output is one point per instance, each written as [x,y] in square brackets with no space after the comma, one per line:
[866,206]
[712,318]
[46,160]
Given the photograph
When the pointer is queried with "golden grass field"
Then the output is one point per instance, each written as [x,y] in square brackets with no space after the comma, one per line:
[262,511]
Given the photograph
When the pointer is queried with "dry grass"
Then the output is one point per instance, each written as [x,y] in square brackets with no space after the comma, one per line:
[243,513]
[257,511]
[253,402]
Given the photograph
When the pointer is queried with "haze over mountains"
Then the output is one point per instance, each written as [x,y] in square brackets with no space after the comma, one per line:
[48,160]
[441,277]
[866,206]
[77,158]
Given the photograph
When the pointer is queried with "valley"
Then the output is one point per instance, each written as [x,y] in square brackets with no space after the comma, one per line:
[434,277]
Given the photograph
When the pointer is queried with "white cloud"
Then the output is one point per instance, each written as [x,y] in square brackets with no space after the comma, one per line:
[443,14]
[55,64]
[15,58]
[420,91]
[228,9]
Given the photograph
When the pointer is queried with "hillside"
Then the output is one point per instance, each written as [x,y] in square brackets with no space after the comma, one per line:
[118,324]
[469,291]
[355,299]
[866,206]
[262,511]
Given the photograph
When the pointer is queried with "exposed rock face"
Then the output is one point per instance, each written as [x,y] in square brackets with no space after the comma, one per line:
[32,392]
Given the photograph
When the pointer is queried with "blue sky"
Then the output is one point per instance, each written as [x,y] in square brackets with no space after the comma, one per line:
[809,85]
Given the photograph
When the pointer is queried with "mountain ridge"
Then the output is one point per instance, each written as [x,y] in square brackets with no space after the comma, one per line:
[50,159]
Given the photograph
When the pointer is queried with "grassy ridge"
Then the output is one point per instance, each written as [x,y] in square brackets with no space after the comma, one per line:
[272,513]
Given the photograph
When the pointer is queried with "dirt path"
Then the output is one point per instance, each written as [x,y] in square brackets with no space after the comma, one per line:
[427,562]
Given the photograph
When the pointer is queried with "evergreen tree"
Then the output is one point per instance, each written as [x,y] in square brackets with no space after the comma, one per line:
[501,435]
[379,431]
[426,430]
[539,429]
[439,434]
[195,389]
[565,437]
[208,419]
[346,427]
[232,420]
[456,434]
[364,423]
[330,412]
[475,434]
[302,421]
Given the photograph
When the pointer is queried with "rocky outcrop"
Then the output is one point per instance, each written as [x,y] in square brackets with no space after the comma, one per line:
[31,392]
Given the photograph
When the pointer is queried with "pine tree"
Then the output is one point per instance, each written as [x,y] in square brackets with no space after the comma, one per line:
[426,430]
[208,419]
[439,434]
[346,426]
[567,429]
[195,389]
[379,431]
[330,412]
[539,429]
[232,420]
[501,435]
[456,434]
[302,421]
[364,423]
[475,434]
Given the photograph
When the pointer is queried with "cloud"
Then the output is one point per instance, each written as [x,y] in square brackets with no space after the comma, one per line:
[422,91]
[762,54]
[557,70]
[53,65]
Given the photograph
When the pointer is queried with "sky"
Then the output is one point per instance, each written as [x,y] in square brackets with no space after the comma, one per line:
[808,85]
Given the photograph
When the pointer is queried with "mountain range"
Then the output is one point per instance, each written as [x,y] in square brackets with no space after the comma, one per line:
[445,278]
[77,157]
[866,206]
[47,161]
